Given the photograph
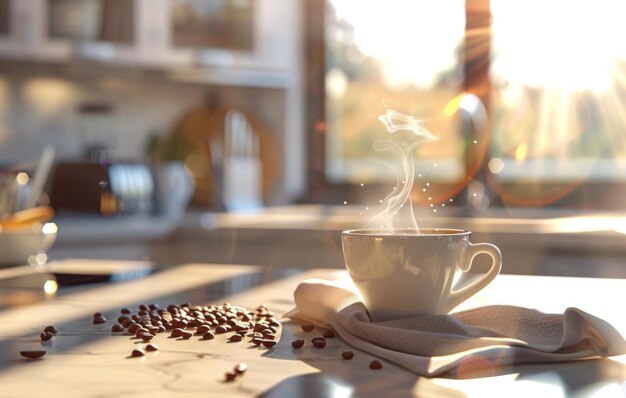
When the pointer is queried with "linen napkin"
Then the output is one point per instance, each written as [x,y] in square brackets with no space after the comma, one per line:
[478,338]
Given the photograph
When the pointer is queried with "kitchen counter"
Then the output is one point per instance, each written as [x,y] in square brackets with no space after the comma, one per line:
[89,360]
[533,241]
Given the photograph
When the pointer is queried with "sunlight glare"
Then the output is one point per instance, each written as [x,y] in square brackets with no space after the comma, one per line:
[400,36]
[572,45]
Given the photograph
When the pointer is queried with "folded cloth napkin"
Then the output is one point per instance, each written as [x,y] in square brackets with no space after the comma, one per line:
[478,338]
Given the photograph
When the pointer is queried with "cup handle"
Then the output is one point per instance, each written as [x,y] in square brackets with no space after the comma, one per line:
[457,297]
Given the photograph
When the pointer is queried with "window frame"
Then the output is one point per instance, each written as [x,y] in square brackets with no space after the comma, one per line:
[585,195]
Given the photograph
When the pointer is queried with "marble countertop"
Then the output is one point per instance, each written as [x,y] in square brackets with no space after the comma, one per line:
[87,360]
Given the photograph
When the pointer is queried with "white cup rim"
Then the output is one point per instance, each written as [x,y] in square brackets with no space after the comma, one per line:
[425,232]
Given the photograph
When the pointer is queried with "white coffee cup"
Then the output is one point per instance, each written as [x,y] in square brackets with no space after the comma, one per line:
[402,273]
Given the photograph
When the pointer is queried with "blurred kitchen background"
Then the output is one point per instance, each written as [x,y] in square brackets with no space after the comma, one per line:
[241,131]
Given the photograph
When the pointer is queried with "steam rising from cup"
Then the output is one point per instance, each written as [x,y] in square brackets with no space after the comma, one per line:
[396,209]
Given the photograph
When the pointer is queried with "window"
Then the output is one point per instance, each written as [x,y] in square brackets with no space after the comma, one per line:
[380,55]
[558,89]
[549,97]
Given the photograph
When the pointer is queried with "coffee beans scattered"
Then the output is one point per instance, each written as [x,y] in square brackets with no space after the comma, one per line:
[185,320]
[347,355]
[319,342]
[329,334]
[297,343]
[376,365]
[307,327]
[33,354]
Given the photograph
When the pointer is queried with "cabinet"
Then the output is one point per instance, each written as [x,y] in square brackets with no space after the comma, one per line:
[272,61]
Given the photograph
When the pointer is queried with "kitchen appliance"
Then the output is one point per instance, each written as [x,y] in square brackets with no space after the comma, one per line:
[103,188]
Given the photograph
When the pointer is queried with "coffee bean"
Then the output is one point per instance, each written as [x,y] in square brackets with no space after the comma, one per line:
[142,307]
[146,336]
[161,329]
[230,376]
[269,337]
[274,323]
[375,365]
[122,318]
[235,338]
[177,332]
[141,331]
[97,320]
[329,334]
[203,329]
[240,368]
[95,314]
[208,336]
[152,347]
[232,322]
[182,324]
[307,328]
[241,327]
[269,343]
[50,329]
[117,328]
[125,311]
[185,335]
[347,354]
[134,327]
[138,352]
[33,354]
[221,329]
[154,329]
[257,341]
[319,342]
[142,312]
[297,343]
[194,323]
[127,323]
[45,336]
